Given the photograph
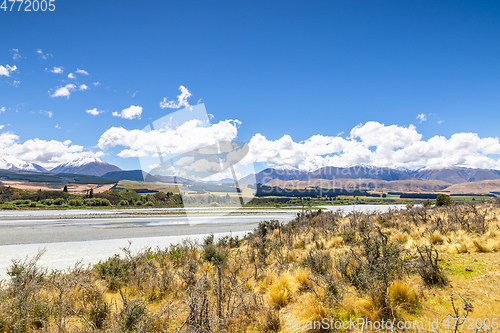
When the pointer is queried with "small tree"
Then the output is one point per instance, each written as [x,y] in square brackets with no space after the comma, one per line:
[65,189]
[91,193]
[443,200]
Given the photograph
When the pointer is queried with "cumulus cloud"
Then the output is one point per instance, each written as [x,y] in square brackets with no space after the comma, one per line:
[71,76]
[83,87]
[94,112]
[5,71]
[1,127]
[57,70]
[81,71]
[64,91]
[131,112]
[181,100]
[45,153]
[2,109]
[190,135]
[376,144]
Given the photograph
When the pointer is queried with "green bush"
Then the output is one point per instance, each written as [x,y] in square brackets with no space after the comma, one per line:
[76,202]
[59,201]
[123,203]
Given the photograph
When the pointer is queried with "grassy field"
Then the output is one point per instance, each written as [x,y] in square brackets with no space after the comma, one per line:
[421,266]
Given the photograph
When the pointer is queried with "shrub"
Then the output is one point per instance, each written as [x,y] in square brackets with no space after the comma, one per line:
[436,238]
[123,203]
[428,267]
[76,202]
[131,314]
[59,201]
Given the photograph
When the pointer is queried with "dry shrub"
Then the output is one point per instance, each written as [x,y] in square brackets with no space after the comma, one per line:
[281,292]
[479,246]
[270,322]
[436,238]
[402,295]
[428,267]
[415,234]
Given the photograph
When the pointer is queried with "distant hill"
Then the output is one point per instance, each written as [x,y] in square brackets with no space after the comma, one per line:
[457,175]
[61,178]
[86,166]
[446,176]
[135,175]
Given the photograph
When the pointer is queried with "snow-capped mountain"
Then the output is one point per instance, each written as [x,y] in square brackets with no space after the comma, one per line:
[91,166]
[13,163]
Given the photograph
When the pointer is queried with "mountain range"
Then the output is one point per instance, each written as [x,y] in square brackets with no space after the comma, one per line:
[453,175]
[280,175]
[90,166]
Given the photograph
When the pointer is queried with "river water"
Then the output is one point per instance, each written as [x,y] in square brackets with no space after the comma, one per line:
[69,236]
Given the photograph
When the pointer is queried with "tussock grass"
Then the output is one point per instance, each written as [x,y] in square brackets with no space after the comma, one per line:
[401,238]
[436,238]
[281,291]
[461,248]
[404,296]
[480,246]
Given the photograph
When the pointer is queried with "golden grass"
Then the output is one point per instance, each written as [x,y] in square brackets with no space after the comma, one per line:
[303,278]
[281,291]
[461,248]
[479,246]
[401,238]
[436,238]
[403,295]
[335,242]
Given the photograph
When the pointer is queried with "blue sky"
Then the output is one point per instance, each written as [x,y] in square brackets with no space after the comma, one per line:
[280,68]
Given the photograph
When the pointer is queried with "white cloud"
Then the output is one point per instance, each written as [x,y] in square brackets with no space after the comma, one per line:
[97,84]
[45,153]
[83,87]
[2,126]
[46,113]
[2,109]
[190,135]
[81,71]
[43,55]
[5,71]
[57,70]
[376,144]
[131,112]
[422,117]
[57,126]
[64,91]
[71,76]
[181,100]
[15,54]
[94,112]
[16,83]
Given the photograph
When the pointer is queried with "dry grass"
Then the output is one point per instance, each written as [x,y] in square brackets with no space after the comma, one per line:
[436,238]
[281,291]
[403,296]
[461,248]
[275,276]
[480,246]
